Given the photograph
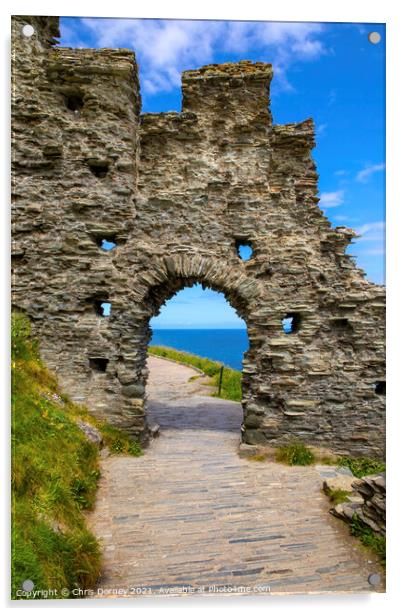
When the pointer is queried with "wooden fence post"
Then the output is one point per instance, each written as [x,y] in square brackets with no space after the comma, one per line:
[220,380]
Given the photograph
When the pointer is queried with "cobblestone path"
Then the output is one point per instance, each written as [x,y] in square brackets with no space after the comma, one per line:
[192,513]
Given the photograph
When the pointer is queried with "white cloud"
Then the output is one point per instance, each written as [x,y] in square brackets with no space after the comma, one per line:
[372,239]
[321,130]
[372,231]
[165,48]
[332,199]
[368,171]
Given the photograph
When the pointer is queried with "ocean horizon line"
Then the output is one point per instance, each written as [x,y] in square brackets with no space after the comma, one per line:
[198,328]
[223,344]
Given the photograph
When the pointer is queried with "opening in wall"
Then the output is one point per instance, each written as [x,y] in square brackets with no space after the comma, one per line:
[341,325]
[379,388]
[102,308]
[107,244]
[197,325]
[244,249]
[74,99]
[291,323]
[106,241]
[98,364]
[99,168]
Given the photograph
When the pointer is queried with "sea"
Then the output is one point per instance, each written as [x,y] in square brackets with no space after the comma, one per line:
[224,345]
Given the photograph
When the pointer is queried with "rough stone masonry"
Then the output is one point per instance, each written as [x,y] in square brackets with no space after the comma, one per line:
[175,195]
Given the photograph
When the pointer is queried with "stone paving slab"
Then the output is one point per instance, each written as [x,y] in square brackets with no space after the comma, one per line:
[191,512]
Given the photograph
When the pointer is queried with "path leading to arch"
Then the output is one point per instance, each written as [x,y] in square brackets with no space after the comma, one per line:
[192,513]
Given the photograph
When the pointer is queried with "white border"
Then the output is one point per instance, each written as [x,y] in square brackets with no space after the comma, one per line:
[384,11]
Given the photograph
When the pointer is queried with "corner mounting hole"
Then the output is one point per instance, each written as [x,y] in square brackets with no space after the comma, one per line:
[28,30]
[244,249]
[374,38]
[99,364]
[380,388]
[103,308]
[291,323]
[74,102]
[107,243]
[99,169]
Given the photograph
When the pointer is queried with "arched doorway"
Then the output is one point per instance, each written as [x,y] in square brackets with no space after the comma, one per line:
[210,275]
[195,363]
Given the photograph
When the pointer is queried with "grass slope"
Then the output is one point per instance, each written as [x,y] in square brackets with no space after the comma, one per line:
[231,382]
[55,471]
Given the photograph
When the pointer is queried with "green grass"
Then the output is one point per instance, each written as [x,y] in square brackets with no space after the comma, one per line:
[376,543]
[337,496]
[118,441]
[55,472]
[231,382]
[361,467]
[295,454]
[259,457]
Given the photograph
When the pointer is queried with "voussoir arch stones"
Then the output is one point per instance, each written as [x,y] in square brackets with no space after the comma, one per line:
[171,273]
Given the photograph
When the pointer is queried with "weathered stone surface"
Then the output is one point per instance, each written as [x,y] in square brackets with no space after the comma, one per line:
[154,429]
[90,432]
[133,391]
[176,193]
[254,437]
[340,482]
[367,503]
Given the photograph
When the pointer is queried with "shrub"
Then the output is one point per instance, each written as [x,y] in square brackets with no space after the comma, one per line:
[361,467]
[295,454]
[119,442]
[22,346]
[373,541]
[259,457]
[337,496]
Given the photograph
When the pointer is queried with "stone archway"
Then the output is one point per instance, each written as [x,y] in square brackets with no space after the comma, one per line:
[166,277]
[176,194]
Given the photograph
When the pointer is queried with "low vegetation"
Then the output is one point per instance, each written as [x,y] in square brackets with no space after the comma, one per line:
[361,467]
[295,454]
[55,471]
[375,542]
[337,496]
[231,381]
[259,457]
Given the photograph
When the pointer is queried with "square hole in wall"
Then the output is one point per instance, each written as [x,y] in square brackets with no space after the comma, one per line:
[107,244]
[99,168]
[380,388]
[291,323]
[342,326]
[98,364]
[244,249]
[103,308]
[74,101]
[106,241]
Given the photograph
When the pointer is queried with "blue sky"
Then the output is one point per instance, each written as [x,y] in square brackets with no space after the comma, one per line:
[329,72]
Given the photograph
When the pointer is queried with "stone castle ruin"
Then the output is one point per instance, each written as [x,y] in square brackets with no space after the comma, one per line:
[175,195]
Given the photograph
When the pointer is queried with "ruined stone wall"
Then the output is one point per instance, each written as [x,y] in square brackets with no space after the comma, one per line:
[177,193]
